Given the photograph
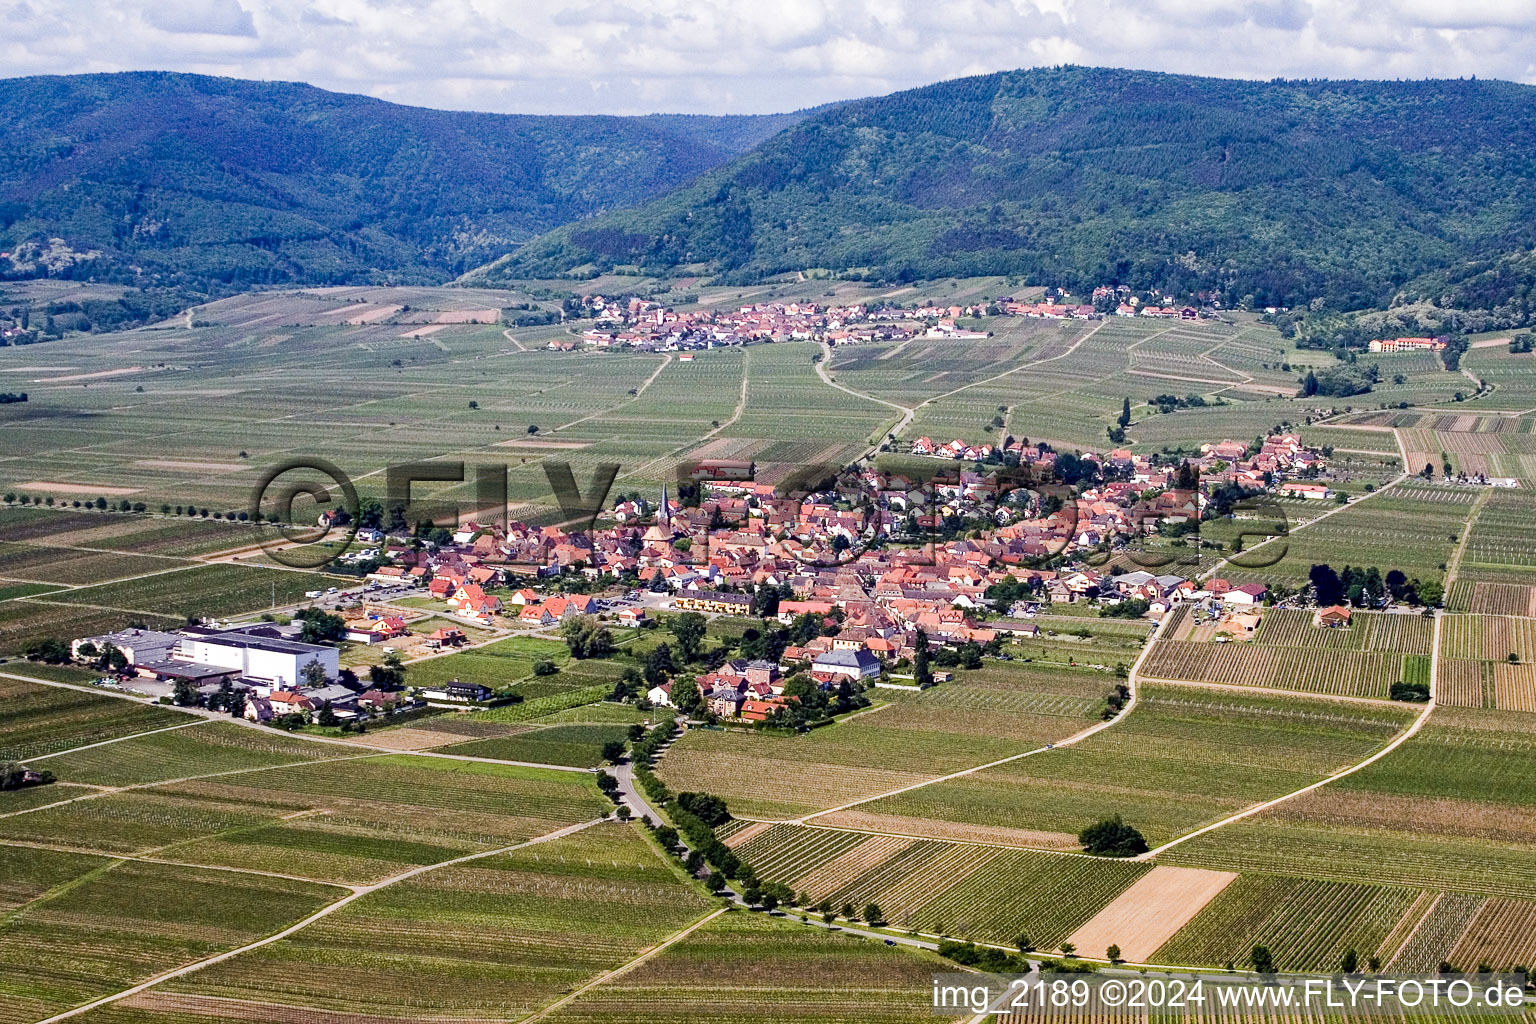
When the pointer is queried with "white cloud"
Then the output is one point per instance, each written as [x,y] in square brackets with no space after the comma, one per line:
[200,17]
[743,56]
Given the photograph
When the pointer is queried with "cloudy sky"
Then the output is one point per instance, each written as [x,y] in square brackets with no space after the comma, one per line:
[748,56]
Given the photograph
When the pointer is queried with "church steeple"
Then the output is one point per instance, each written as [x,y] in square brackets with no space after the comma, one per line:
[664,516]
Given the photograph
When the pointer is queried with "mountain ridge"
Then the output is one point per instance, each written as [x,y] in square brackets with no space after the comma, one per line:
[191,180]
[1279,191]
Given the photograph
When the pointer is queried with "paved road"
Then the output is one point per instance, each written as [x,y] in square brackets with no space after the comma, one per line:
[642,808]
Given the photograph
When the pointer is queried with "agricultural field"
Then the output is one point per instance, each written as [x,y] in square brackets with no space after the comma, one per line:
[1183,757]
[202,748]
[1092,642]
[101,924]
[980,892]
[1488,661]
[1512,375]
[576,745]
[42,720]
[338,815]
[1499,547]
[1306,924]
[1289,653]
[1453,808]
[24,622]
[493,938]
[495,665]
[72,567]
[753,967]
[1426,521]
[174,537]
[199,591]
[993,712]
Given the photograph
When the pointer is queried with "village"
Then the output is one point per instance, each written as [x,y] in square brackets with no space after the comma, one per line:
[876,574]
[646,324]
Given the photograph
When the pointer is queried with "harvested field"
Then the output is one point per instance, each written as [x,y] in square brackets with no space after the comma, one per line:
[76,488]
[535,445]
[1148,914]
[90,376]
[201,467]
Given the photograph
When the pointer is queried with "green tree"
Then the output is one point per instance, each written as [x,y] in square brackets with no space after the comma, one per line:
[872,914]
[689,629]
[587,637]
[1112,837]
[320,627]
[1262,959]
[685,694]
[1112,953]
[922,674]
[313,674]
[659,665]
[184,694]
[389,674]
[1351,961]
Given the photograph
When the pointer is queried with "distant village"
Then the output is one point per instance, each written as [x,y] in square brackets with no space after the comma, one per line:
[639,323]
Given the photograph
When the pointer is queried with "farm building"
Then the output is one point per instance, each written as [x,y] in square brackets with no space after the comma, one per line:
[1334,616]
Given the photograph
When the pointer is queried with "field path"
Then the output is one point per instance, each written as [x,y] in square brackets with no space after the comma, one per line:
[1454,565]
[323,912]
[629,400]
[741,407]
[371,749]
[1383,489]
[508,335]
[101,791]
[825,373]
[619,972]
[1097,727]
[1397,741]
[146,859]
[116,739]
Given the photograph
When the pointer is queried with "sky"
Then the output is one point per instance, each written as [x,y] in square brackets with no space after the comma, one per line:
[749,56]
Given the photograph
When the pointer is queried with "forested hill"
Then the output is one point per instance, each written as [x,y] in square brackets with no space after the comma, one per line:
[1285,191]
[188,180]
